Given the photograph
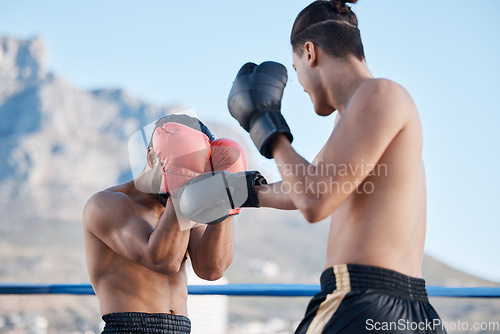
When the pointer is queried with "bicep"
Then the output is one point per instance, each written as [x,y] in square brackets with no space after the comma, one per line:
[359,140]
[118,225]
[129,238]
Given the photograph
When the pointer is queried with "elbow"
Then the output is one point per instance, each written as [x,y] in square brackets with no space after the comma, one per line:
[213,275]
[171,267]
[314,210]
[312,216]
[212,272]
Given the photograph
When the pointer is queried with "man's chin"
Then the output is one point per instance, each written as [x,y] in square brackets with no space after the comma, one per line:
[324,111]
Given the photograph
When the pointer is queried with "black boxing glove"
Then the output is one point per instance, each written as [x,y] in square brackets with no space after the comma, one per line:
[255,102]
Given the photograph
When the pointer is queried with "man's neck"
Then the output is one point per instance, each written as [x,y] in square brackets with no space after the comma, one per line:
[342,79]
[142,193]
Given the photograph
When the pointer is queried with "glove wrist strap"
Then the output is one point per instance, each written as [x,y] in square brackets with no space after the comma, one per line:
[162,198]
[253,178]
[264,127]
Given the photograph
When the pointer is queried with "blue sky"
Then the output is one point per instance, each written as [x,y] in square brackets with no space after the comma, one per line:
[445,53]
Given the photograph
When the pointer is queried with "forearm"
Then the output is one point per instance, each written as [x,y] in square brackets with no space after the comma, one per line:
[167,244]
[294,169]
[214,251]
[274,195]
[300,178]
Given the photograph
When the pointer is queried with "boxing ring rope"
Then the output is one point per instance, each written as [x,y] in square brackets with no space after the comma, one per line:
[255,290]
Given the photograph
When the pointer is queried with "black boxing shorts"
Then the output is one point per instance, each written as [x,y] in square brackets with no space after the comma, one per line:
[145,323]
[365,299]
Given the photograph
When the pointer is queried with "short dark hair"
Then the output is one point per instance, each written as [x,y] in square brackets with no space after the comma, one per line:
[184,119]
[331,25]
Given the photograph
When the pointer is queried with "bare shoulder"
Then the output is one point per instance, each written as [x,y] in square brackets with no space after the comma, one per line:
[105,198]
[381,86]
[106,205]
[385,95]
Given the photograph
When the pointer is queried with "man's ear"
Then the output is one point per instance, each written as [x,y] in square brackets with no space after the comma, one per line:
[310,52]
[151,158]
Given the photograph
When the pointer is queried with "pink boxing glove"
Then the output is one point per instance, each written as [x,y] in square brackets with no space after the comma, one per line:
[183,152]
[227,155]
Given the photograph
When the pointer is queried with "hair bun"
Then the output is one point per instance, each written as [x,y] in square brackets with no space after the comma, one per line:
[341,7]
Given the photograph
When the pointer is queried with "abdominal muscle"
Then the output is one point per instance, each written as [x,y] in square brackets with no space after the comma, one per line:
[133,288]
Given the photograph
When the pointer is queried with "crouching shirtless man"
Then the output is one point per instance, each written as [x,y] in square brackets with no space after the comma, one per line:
[136,246]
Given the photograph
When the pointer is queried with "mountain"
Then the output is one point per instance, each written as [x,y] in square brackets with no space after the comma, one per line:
[59,145]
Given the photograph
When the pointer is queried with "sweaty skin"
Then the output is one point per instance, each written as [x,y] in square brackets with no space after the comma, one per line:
[136,252]
[369,176]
